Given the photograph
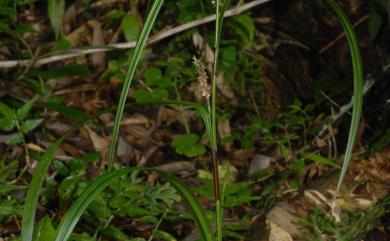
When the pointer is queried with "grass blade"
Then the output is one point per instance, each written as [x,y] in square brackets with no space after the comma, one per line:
[98,185]
[130,74]
[56,9]
[196,210]
[88,195]
[30,205]
[358,86]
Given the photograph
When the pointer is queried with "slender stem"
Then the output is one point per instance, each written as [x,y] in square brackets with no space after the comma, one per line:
[218,208]
[158,225]
[213,107]
[217,191]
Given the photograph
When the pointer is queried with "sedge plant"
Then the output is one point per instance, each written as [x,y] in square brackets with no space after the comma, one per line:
[98,185]
[357,95]
[208,115]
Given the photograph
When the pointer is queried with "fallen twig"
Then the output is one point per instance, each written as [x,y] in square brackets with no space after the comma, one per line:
[68,54]
[342,35]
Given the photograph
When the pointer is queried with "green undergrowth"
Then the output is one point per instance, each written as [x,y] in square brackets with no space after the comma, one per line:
[322,226]
[49,203]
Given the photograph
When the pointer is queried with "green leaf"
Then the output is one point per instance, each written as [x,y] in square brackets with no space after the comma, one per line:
[188,145]
[76,164]
[15,139]
[164,235]
[228,61]
[67,186]
[152,15]
[34,190]
[60,168]
[130,27]
[299,166]
[115,15]
[62,44]
[115,233]
[143,96]
[9,208]
[294,184]
[153,77]
[73,215]
[322,160]
[82,237]
[45,230]
[375,21]
[99,208]
[5,11]
[68,112]
[64,70]
[56,9]
[29,125]
[245,28]
[6,111]
[381,142]
[136,211]
[25,109]
[5,188]
[357,67]
[7,124]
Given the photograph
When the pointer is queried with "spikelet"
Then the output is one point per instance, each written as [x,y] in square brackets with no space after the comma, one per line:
[202,77]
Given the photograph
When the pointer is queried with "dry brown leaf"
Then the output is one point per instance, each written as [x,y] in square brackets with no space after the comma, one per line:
[136,119]
[277,233]
[77,36]
[34,147]
[100,144]
[70,17]
[138,134]
[283,215]
[106,3]
[224,130]
[208,55]
[124,149]
[177,167]
[224,88]
[98,59]
[258,163]
[206,51]
[354,5]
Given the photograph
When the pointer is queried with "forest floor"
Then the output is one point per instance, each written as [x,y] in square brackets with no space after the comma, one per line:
[284,87]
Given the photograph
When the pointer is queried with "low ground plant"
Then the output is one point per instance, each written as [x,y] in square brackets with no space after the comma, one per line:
[123,186]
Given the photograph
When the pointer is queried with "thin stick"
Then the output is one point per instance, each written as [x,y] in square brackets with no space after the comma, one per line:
[73,53]
[342,35]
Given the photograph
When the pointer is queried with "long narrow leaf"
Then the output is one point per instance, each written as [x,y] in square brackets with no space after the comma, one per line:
[56,9]
[130,74]
[358,86]
[98,185]
[30,205]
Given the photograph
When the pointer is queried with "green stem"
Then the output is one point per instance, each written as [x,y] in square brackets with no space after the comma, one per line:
[218,208]
[157,225]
